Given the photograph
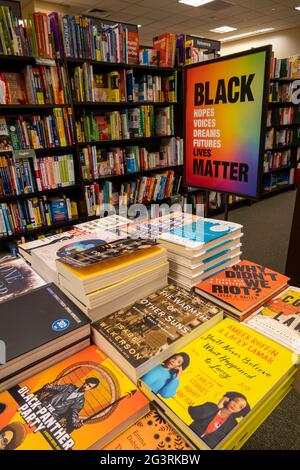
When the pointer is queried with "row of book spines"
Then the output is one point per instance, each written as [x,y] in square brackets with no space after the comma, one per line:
[19,216]
[129,160]
[55,130]
[145,189]
[286,68]
[274,160]
[47,85]
[274,181]
[26,176]
[122,86]
[281,116]
[282,92]
[82,39]
[284,136]
[165,44]
[129,123]
[33,36]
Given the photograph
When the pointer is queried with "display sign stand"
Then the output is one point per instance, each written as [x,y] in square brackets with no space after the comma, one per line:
[292,268]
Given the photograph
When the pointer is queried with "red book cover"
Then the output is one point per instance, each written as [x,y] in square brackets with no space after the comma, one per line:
[133,47]
[243,286]
[38,33]
[161,44]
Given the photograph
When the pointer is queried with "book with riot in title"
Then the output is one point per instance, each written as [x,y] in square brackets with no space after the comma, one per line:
[279,319]
[80,403]
[148,331]
[16,277]
[242,288]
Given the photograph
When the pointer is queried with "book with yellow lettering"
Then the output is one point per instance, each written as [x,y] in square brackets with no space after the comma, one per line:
[279,319]
[211,387]
[80,403]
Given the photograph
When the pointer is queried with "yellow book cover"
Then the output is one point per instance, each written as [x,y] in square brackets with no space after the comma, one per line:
[80,403]
[113,87]
[151,432]
[61,130]
[217,380]
[111,265]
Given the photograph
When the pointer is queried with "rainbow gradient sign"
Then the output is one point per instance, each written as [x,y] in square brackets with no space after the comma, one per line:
[225,115]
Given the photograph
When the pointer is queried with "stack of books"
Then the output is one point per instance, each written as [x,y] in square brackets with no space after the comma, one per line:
[241,289]
[197,247]
[108,276]
[220,387]
[80,403]
[39,328]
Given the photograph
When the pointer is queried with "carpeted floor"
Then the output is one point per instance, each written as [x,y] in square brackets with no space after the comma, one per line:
[267,227]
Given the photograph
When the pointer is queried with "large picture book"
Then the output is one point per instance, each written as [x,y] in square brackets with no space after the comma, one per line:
[80,403]
[148,331]
[211,387]
[36,326]
[151,432]
[242,288]
[16,277]
[279,319]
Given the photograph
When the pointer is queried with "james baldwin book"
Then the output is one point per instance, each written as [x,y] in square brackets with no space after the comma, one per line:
[148,331]
[279,319]
[44,258]
[80,403]
[35,327]
[242,288]
[16,277]
[151,432]
[212,387]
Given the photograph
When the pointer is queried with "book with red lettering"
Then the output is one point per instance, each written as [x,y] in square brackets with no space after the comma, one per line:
[242,288]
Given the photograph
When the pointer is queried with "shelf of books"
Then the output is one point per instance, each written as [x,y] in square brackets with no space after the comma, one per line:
[282,144]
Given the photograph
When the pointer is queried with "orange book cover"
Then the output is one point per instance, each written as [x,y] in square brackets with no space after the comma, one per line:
[151,432]
[80,403]
[243,285]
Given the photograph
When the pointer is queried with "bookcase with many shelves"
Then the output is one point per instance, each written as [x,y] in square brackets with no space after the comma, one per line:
[143,152]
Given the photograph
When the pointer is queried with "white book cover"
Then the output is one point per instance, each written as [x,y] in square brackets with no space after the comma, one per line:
[280,319]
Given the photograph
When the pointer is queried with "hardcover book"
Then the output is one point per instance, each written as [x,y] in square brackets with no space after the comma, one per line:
[242,288]
[80,403]
[16,277]
[151,432]
[147,332]
[36,325]
[212,387]
[279,319]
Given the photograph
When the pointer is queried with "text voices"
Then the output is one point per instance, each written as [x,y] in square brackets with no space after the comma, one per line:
[237,89]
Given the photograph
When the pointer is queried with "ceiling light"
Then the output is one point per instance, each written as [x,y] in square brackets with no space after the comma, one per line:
[223,29]
[244,35]
[195,3]
[297,8]
[139,25]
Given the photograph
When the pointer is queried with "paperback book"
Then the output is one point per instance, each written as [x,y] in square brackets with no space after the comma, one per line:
[16,277]
[242,288]
[147,332]
[279,319]
[35,327]
[80,403]
[212,387]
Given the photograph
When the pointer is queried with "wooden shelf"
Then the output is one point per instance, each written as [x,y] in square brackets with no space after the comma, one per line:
[279,104]
[124,141]
[24,107]
[134,174]
[283,126]
[39,193]
[38,230]
[75,62]
[278,190]
[282,147]
[91,104]
[277,170]
[283,80]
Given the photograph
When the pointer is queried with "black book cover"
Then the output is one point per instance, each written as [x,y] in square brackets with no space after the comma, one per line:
[31,320]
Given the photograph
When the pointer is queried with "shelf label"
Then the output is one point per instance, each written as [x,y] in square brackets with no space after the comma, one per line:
[42,61]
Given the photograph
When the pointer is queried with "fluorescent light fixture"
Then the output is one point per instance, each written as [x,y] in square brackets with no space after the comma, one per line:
[245,35]
[195,3]
[139,25]
[297,8]
[223,29]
